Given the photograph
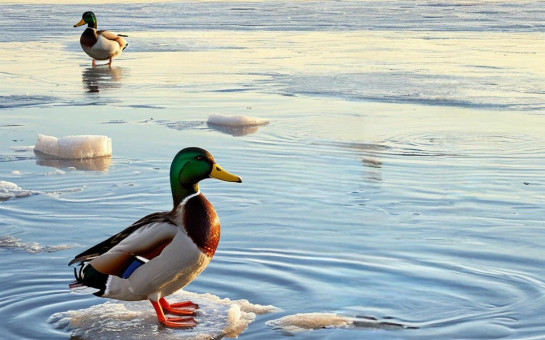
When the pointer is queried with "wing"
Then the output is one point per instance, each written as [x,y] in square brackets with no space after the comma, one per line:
[114,37]
[103,247]
[146,242]
[108,35]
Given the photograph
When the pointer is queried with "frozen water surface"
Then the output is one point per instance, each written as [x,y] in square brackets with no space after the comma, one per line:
[397,193]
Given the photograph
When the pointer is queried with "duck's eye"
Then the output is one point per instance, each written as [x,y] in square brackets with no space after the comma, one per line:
[199,158]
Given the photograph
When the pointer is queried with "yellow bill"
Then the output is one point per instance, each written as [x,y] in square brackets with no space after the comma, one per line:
[219,173]
[81,22]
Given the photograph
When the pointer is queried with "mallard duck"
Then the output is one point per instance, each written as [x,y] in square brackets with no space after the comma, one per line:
[162,252]
[99,45]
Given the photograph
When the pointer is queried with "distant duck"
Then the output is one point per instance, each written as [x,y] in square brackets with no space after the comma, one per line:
[162,252]
[99,45]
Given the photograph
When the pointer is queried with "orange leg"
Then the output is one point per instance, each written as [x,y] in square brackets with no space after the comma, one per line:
[110,62]
[174,322]
[178,308]
[94,62]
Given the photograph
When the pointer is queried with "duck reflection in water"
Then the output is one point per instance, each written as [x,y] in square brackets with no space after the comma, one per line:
[101,77]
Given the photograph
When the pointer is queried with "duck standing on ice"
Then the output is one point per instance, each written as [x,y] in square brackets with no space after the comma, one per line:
[162,252]
[99,45]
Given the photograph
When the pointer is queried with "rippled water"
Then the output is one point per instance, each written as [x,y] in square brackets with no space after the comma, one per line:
[399,185]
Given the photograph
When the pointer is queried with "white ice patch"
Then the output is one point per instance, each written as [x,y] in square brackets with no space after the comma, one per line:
[10,242]
[11,190]
[55,173]
[74,147]
[235,120]
[216,318]
[309,321]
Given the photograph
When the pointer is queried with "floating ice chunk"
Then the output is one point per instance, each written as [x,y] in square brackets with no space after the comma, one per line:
[10,242]
[74,147]
[56,172]
[8,186]
[237,125]
[216,318]
[58,193]
[11,190]
[235,120]
[309,321]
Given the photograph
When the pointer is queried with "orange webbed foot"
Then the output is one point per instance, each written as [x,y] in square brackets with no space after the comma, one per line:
[173,322]
[178,308]
[178,322]
[186,304]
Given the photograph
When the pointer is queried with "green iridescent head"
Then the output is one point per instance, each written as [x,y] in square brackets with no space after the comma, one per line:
[189,167]
[89,19]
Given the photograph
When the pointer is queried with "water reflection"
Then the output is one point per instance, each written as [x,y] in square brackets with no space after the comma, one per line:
[372,168]
[371,157]
[101,77]
[88,164]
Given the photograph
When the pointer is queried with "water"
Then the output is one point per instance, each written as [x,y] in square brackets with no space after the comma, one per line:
[400,178]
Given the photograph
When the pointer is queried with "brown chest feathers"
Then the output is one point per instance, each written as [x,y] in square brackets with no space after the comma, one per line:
[202,224]
[88,38]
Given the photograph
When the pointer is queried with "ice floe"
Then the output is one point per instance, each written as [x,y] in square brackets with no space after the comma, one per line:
[10,242]
[11,190]
[236,125]
[235,120]
[73,147]
[216,318]
[310,321]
